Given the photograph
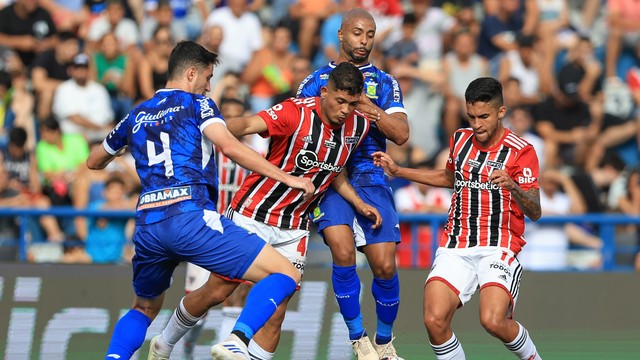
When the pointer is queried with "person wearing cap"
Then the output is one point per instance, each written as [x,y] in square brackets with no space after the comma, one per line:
[82,105]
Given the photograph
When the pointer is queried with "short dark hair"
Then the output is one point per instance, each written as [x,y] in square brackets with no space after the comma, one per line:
[347,77]
[114,179]
[484,89]
[17,136]
[50,123]
[231,101]
[187,54]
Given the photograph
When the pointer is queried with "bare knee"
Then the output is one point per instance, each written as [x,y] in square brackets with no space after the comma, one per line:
[494,324]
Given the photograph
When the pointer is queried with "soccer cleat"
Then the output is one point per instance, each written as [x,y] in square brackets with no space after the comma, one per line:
[386,351]
[363,349]
[153,352]
[231,349]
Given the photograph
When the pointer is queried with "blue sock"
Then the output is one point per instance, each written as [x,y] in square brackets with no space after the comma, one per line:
[263,299]
[346,286]
[128,335]
[386,292]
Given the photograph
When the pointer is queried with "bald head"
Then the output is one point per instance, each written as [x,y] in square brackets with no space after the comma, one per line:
[355,15]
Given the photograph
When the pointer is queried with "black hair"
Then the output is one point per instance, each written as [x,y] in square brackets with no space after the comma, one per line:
[345,76]
[114,180]
[67,35]
[50,123]
[231,101]
[409,19]
[160,28]
[484,89]
[525,40]
[187,54]
[5,79]
[18,136]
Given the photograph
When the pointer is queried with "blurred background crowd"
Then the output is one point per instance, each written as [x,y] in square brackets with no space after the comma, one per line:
[70,69]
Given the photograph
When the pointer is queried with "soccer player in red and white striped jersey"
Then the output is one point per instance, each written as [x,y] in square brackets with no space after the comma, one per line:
[494,174]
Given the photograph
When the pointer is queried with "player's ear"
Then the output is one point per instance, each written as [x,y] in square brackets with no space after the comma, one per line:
[191,73]
[323,92]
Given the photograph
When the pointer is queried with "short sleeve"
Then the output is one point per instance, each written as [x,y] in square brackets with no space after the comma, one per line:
[206,112]
[281,119]
[391,96]
[309,87]
[526,170]
[117,138]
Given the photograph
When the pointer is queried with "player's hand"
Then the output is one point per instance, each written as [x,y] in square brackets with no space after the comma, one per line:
[368,108]
[384,161]
[370,212]
[502,179]
[303,184]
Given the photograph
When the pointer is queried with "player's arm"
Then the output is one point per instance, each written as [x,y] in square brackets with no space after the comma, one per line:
[341,185]
[245,125]
[528,200]
[394,127]
[99,157]
[440,177]
[249,159]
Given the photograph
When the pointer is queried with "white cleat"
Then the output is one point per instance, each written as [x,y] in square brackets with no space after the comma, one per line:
[153,351]
[231,349]
[363,349]
[387,351]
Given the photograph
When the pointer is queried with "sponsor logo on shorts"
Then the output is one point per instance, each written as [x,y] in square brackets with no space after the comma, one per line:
[298,264]
[503,277]
[316,214]
[500,266]
[164,197]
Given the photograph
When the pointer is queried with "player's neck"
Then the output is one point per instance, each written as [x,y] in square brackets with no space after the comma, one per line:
[341,59]
[177,84]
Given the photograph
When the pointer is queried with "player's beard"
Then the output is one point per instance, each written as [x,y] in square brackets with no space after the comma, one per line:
[357,58]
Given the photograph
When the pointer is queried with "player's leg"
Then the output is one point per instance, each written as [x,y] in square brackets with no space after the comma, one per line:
[499,275]
[195,278]
[451,283]
[152,270]
[379,245]
[231,309]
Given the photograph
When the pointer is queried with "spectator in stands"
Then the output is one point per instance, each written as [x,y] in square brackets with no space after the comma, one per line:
[81,105]
[329,44]
[162,16]
[433,24]
[623,36]
[388,15]
[89,185]
[116,71]
[548,245]
[425,199]
[106,237]
[564,122]
[5,85]
[112,20]
[20,104]
[58,157]
[461,66]
[153,66]
[212,38]
[629,204]
[269,71]
[520,121]
[498,32]
[245,27]
[28,29]
[67,15]
[50,70]
[300,69]
[524,63]
[307,16]
[465,21]
[24,182]
[405,49]
[188,15]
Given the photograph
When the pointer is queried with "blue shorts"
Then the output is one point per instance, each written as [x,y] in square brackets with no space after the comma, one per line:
[203,237]
[335,210]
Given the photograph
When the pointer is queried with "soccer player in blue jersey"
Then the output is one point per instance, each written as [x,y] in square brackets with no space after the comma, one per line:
[171,137]
[337,220]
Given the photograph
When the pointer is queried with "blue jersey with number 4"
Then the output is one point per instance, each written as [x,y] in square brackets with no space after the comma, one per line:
[384,91]
[174,160]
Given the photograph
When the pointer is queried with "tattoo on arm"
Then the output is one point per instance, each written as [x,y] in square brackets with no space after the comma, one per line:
[529,201]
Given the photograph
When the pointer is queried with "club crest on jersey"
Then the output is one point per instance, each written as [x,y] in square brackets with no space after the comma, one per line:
[474,163]
[316,214]
[494,164]
[164,197]
[330,144]
[307,160]
[371,88]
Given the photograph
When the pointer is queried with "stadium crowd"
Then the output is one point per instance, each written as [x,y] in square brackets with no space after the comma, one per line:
[70,70]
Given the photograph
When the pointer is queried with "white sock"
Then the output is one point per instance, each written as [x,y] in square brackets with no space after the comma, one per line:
[258,353]
[523,347]
[181,321]
[450,350]
[229,317]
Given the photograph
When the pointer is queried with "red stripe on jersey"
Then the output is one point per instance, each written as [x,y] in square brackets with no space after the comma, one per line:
[301,145]
[482,214]
[230,178]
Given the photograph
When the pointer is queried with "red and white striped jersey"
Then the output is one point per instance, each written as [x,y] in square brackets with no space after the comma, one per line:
[230,179]
[301,145]
[481,213]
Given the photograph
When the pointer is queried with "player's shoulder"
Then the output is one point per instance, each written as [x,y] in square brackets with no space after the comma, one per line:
[515,142]
[311,102]
[371,71]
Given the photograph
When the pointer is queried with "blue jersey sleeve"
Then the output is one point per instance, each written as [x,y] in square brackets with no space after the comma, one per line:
[390,99]
[118,137]
[310,86]
[206,112]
